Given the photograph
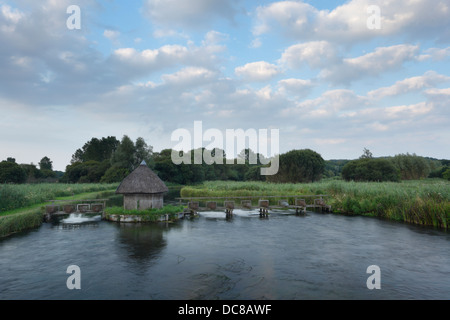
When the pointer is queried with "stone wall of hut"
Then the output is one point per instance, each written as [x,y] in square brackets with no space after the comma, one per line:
[142,201]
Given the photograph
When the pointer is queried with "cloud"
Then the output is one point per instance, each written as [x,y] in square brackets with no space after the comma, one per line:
[316,54]
[42,57]
[193,14]
[112,35]
[330,103]
[407,111]
[438,92]
[296,87]
[190,76]
[347,23]
[381,60]
[257,71]
[427,80]
[436,54]
[12,16]
[133,64]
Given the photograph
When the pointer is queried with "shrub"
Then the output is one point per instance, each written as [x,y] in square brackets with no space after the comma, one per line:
[370,169]
[11,172]
[446,174]
[299,166]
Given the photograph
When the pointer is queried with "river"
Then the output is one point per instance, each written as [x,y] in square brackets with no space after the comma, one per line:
[318,256]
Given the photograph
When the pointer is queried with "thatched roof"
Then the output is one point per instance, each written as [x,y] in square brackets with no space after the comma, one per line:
[142,180]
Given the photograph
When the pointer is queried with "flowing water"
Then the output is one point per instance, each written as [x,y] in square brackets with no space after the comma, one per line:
[318,256]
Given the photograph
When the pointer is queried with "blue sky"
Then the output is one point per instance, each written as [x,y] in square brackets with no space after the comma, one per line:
[312,69]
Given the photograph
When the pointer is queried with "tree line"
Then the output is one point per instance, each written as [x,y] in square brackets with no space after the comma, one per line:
[12,172]
[108,160]
[400,167]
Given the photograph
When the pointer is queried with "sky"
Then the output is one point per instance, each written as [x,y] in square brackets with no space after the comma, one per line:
[332,76]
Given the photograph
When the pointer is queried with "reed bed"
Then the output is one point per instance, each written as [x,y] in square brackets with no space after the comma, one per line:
[425,202]
[19,222]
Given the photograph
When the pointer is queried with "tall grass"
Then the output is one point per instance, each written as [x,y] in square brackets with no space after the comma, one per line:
[25,195]
[23,221]
[425,202]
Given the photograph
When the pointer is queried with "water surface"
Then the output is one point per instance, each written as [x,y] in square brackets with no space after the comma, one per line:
[318,256]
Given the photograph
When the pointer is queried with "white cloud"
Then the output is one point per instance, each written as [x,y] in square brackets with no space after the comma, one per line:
[347,23]
[11,15]
[377,126]
[438,92]
[256,43]
[193,14]
[257,71]
[331,102]
[436,54]
[383,59]
[330,141]
[112,35]
[429,79]
[407,111]
[192,76]
[289,14]
[296,87]
[316,54]
[58,77]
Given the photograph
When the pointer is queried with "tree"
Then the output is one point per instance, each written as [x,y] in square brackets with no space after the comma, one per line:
[107,159]
[299,166]
[46,164]
[254,174]
[96,150]
[114,174]
[142,152]
[446,174]
[11,172]
[86,172]
[370,169]
[33,174]
[366,154]
[411,166]
[124,155]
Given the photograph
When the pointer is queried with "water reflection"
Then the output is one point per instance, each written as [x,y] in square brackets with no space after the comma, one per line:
[141,242]
[318,256]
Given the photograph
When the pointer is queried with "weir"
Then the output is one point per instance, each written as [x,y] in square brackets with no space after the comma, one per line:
[301,203]
[67,207]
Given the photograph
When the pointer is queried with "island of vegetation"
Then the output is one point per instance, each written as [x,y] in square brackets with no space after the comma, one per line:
[168,213]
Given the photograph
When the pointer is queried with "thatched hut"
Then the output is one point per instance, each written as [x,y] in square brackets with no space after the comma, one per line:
[142,189]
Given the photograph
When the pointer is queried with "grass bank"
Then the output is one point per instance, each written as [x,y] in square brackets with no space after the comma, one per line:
[424,202]
[150,215]
[15,196]
[21,221]
[22,206]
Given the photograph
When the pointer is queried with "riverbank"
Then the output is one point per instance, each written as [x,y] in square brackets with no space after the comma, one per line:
[34,197]
[424,202]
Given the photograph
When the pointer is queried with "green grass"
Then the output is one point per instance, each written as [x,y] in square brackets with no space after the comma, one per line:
[27,219]
[18,196]
[425,202]
[22,206]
